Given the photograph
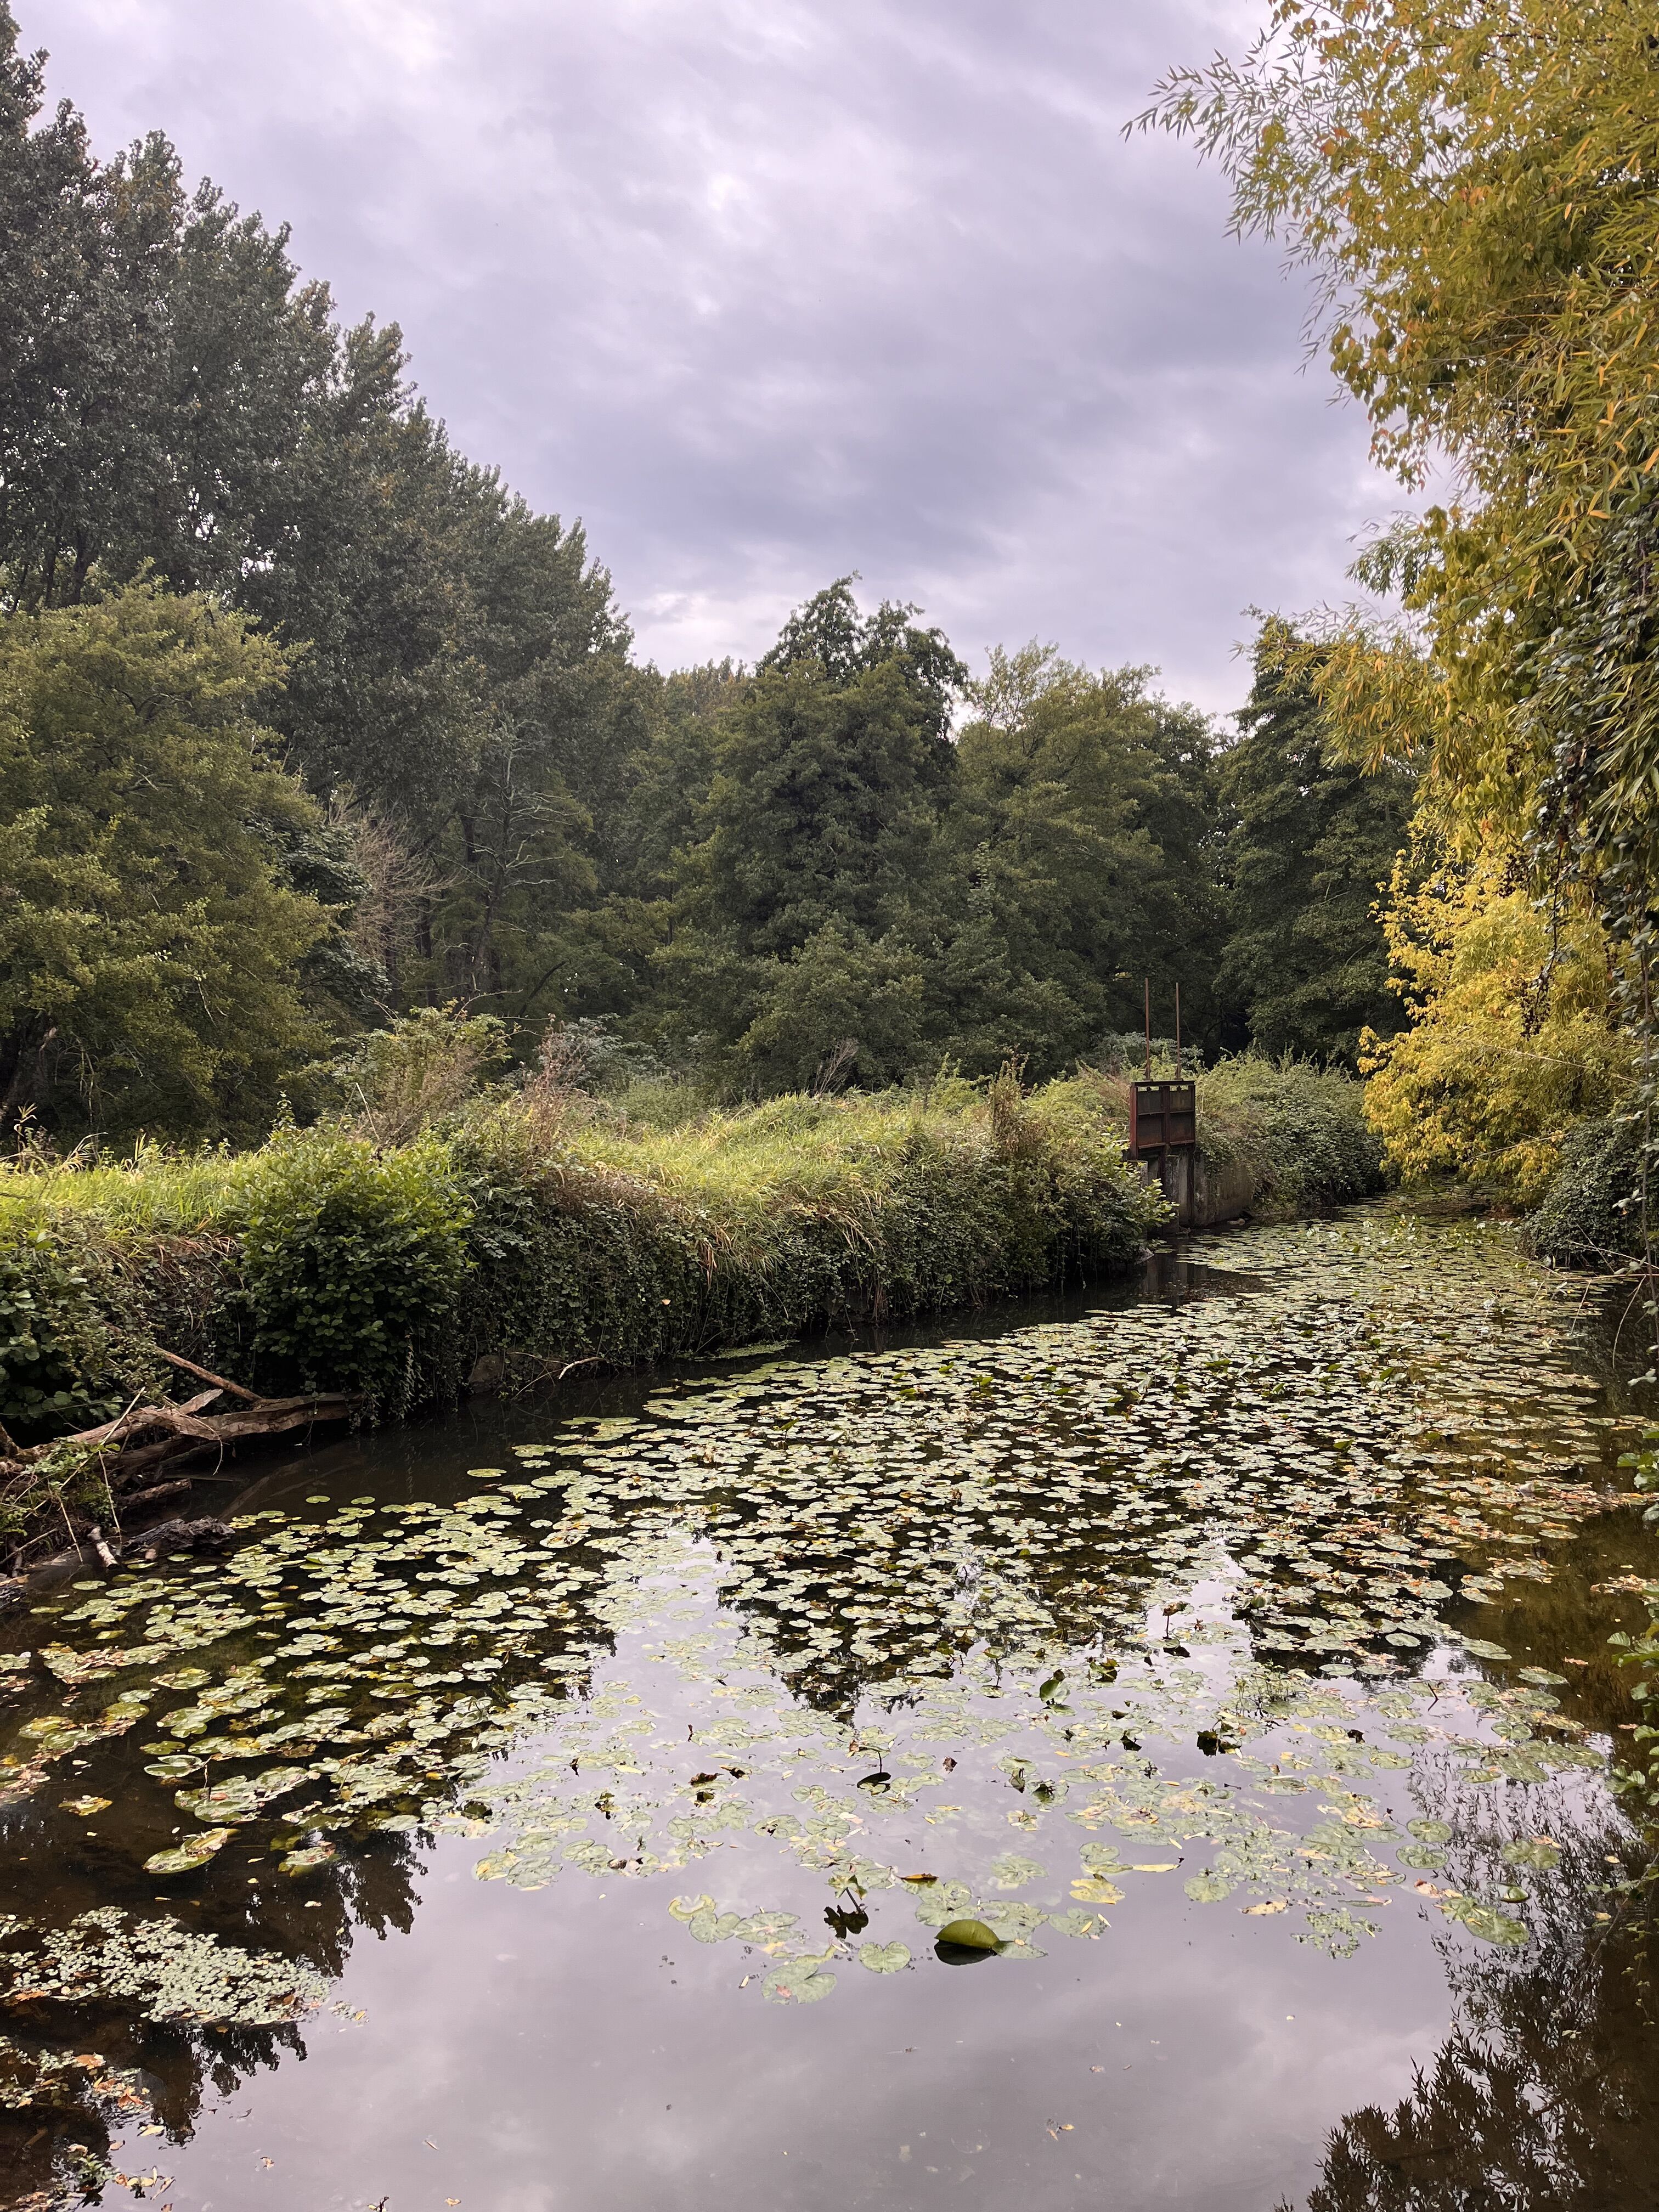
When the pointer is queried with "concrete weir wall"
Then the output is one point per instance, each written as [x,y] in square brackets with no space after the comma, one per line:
[1204,1192]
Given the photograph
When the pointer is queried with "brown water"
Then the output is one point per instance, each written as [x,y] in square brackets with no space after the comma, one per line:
[551,1791]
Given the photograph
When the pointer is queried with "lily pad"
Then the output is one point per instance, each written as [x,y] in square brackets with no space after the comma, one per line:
[1207,1888]
[302,1862]
[1081,1924]
[1537,1852]
[194,1851]
[1492,1926]
[884,1958]
[798,1981]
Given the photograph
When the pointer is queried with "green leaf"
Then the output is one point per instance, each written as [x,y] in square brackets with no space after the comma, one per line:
[884,1958]
[969,1935]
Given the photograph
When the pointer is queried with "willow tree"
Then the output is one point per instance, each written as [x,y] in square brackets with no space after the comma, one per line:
[1474,186]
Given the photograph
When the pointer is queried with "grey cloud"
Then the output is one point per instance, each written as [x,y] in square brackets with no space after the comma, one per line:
[766,290]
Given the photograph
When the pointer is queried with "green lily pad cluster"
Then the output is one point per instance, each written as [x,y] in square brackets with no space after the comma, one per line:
[162,1970]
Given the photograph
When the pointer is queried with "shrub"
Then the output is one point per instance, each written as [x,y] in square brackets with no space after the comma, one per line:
[55,1356]
[1300,1129]
[546,1227]
[353,1265]
[1591,1216]
[419,1071]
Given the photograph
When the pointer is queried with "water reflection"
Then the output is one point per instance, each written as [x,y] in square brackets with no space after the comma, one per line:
[1545,2095]
[1139,1631]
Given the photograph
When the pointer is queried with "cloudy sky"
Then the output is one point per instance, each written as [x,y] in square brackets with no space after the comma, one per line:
[769,290]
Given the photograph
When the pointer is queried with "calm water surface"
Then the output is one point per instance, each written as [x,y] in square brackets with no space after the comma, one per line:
[574,1807]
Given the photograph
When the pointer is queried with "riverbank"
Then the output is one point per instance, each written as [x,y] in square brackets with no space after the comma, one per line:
[537,1232]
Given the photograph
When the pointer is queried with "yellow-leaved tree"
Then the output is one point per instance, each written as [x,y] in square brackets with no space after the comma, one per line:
[1474,186]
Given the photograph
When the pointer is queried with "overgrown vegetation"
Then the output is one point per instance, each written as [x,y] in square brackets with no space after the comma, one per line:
[553,1228]
[1299,1131]
[537,1225]
[1592,1216]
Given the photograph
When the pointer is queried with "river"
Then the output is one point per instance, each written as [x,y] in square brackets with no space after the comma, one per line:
[1151,1750]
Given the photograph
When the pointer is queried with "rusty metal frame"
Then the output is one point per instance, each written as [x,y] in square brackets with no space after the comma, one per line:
[1162,1117]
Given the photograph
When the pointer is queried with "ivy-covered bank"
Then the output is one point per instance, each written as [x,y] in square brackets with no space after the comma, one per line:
[526,1233]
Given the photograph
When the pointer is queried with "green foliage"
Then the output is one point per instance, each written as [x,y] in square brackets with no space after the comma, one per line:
[151,947]
[1591,1216]
[1300,1130]
[353,1264]
[185,404]
[1084,863]
[633,1243]
[1311,849]
[840,1001]
[824,802]
[418,1072]
[867,899]
[55,1352]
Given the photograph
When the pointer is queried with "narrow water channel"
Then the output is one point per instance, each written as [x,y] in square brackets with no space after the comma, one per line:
[1155,1751]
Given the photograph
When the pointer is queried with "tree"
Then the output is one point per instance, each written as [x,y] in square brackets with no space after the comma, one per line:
[828,772]
[182,405]
[830,776]
[1311,849]
[163,370]
[1085,843]
[1474,185]
[153,947]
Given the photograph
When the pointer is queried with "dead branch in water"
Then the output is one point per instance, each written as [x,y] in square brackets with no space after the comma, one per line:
[127,1453]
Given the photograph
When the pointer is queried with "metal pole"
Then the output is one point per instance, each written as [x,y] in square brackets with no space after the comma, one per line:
[1177,1029]
[1149,1028]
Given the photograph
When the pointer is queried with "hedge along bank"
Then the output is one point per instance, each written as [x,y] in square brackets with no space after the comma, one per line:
[323,1261]
[531,1240]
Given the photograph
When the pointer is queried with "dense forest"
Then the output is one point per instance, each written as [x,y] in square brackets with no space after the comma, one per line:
[307,721]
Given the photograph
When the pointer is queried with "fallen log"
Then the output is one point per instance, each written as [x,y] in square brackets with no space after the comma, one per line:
[126,1453]
[174,1431]
[134,1499]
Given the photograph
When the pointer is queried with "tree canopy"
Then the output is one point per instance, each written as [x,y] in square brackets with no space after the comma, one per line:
[156,950]
[355,732]
[1312,846]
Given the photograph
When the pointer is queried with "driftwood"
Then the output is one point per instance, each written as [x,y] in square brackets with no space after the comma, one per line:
[147,1438]
[207,1535]
[139,1499]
